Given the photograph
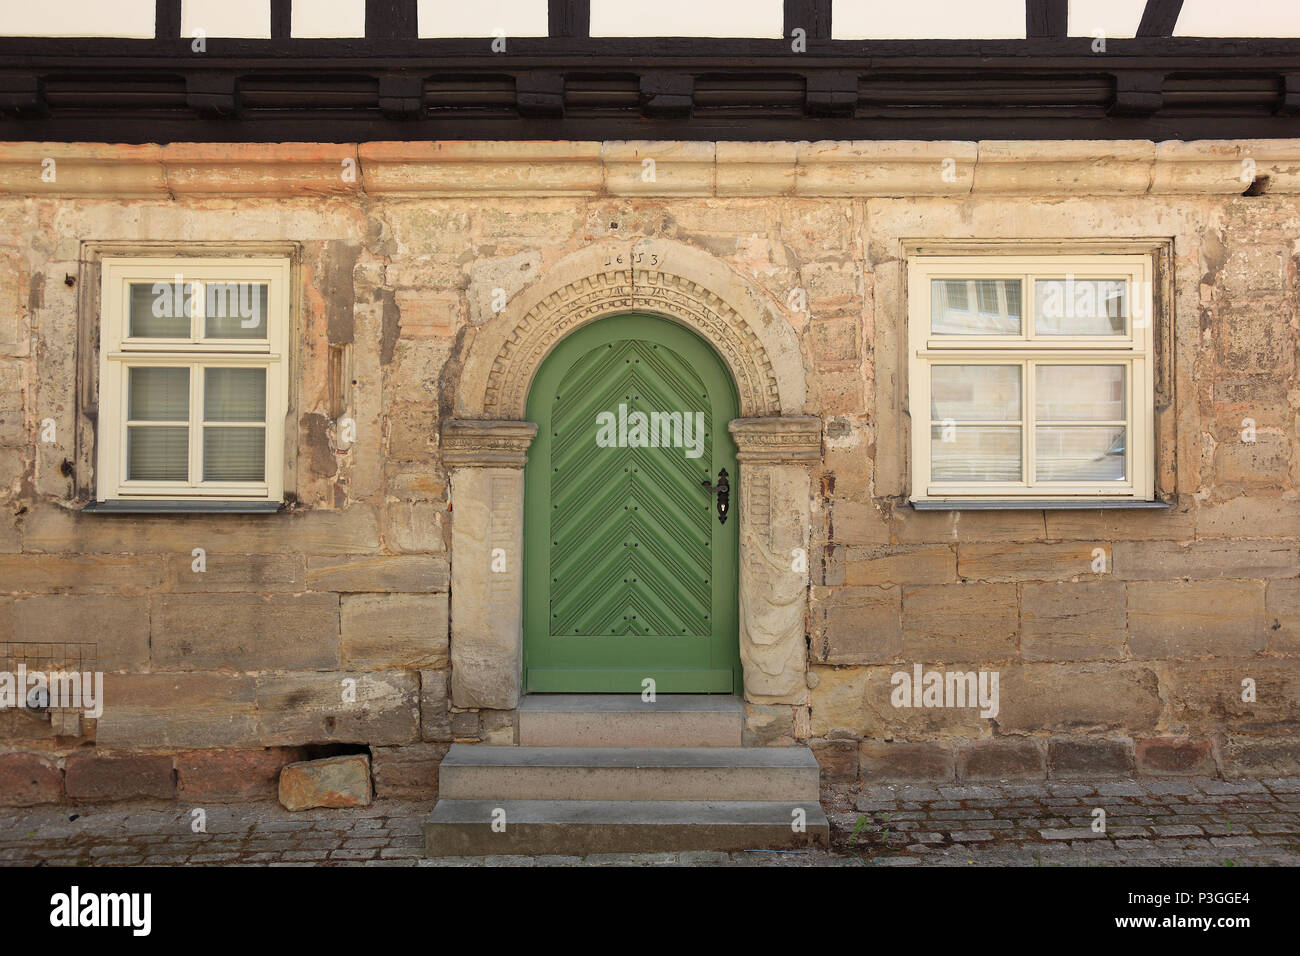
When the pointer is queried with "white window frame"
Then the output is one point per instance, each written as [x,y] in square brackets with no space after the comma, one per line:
[1134,350]
[118,352]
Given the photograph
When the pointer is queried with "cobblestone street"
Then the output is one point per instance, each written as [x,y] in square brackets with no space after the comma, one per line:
[1149,823]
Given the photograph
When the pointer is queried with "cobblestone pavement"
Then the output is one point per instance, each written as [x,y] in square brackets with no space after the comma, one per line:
[1148,823]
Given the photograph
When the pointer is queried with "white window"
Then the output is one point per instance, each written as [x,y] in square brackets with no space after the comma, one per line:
[1031,377]
[193,379]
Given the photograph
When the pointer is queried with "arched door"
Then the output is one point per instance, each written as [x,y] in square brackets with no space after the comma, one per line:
[629,568]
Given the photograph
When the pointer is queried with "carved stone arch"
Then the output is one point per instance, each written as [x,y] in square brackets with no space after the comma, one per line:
[658,276]
[485,443]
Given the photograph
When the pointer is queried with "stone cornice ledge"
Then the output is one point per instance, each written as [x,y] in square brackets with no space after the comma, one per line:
[486,444]
[649,168]
[773,441]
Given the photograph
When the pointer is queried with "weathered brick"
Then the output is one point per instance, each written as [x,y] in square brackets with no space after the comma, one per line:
[1000,759]
[107,776]
[232,774]
[380,631]
[117,626]
[859,625]
[435,706]
[1031,562]
[180,710]
[1089,758]
[245,631]
[301,708]
[897,760]
[1176,755]
[237,572]
[1282,616]
[27,779]
[1078,698]
[407,772]
[838,759]
[46,573]
[895,565]
[1195,618]
[960,622]
[45,528]
[411,573]
[1072,621]
[1249,756]
[1205,560]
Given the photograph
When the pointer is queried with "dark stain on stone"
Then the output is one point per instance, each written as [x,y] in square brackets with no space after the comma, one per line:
[316,431]
[392,328]
[338,290]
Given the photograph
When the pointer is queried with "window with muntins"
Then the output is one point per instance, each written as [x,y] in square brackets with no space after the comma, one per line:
[193,379]
[1031,377]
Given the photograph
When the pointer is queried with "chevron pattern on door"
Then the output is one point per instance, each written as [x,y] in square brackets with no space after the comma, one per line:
[629,576]
[630,532]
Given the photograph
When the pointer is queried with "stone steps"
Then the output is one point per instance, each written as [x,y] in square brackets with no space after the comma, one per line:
[580,827]
[625,720]
[628,773]
[613,774]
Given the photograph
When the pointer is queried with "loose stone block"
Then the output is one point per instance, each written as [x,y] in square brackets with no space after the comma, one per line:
[105,776]
[331,782]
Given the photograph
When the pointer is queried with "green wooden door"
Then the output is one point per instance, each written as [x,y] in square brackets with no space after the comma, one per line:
[628,573]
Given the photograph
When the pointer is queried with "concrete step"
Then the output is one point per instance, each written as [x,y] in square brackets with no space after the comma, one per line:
[580,827]
[629,773]
[625,720]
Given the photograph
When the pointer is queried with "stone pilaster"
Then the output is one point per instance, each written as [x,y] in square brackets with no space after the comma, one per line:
[775,523]
[485,460]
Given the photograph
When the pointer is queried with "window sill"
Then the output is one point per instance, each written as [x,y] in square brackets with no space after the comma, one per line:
[1035,504]
[151,507]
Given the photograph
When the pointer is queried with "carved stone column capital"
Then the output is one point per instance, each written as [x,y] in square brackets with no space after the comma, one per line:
[486,444]
[779,440]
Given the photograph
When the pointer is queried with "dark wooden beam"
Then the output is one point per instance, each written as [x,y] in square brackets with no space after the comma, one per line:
[812,16]
[391,18]
[1047,18]
[1159,18]
[281,19]
[167,19]
[569,18]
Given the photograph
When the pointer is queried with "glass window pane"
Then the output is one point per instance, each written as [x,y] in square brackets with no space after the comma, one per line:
[234,454]
[158,394]
[157,453]
[988,393]
[975,306]
[1080,453]
[974,453]
[160,310]
[1079,393]
[235,310]
[1073,306]
[234,395]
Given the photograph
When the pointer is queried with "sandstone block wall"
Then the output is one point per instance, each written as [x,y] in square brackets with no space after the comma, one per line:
[1138,667]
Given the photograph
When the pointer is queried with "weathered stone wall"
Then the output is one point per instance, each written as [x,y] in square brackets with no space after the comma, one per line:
[216,679]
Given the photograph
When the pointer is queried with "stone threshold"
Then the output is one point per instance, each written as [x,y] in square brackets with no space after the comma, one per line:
[825,169]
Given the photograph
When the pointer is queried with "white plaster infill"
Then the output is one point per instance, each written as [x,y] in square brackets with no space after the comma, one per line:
[829,168]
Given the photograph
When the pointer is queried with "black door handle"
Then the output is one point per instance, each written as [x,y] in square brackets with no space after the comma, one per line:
[723,490]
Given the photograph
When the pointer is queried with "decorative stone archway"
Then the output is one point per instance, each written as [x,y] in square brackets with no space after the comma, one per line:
[484,449]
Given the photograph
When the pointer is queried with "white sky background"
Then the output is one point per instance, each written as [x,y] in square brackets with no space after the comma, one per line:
[851,19]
